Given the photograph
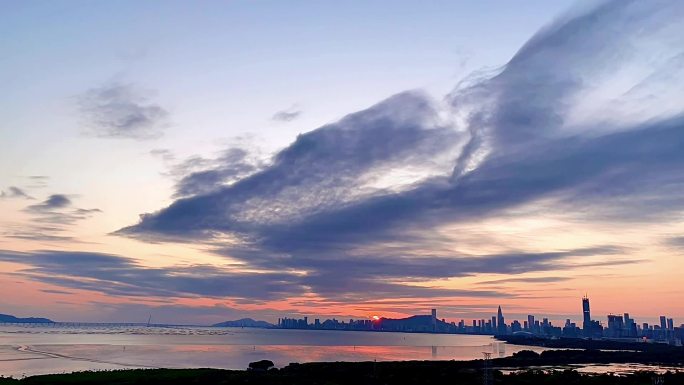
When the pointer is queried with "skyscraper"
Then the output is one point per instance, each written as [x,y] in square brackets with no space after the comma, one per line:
[586,325]
[433,319]
[501,325]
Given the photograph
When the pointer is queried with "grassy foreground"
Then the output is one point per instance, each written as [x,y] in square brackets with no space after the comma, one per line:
[362,373]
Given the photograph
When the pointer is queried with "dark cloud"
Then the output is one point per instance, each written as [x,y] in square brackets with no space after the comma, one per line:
[232,165]
[58,209]
[286,115]
[676,242]
[322,169]
[55,201]
[51,220]
[314,208]
[122,111]
[14,192]
[199,175]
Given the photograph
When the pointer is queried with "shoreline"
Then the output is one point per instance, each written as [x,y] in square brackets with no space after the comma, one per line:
[589,344]
[525,367]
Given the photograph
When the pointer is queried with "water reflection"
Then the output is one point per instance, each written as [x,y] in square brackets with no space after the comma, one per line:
[35,350]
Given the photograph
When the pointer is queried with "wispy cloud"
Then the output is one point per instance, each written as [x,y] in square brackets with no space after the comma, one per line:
[38,181]
[51,220]
[14,192]
[336,280]
[287,115]
[122,276]
[122,111]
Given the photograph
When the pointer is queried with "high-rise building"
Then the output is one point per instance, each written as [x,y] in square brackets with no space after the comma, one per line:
[433,319]
[530,323]
[663,327]
[500,322]
[586,325]
[515,326]
[615,326]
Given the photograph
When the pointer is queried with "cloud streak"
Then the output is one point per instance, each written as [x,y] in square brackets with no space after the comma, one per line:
[14,192]
[121,276]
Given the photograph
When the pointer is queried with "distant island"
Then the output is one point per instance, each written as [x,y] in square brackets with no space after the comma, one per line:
[6,318]
[244,323]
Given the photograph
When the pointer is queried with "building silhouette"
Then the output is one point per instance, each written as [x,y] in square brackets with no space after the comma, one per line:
[433,319]
[500,322]
[586,324]
[619,327]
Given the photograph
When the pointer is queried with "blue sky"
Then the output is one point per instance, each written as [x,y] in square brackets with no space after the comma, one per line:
[223,69]
[339,158]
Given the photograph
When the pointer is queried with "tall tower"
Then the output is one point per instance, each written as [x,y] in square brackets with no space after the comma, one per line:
[586,325]
[487,368]
[433,319]
[500,322]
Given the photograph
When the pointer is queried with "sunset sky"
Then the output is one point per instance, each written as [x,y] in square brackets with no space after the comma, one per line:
[206,161]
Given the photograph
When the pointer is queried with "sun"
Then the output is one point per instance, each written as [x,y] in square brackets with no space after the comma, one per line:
[376,318]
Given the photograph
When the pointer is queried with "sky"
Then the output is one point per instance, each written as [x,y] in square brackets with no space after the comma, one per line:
[208,161]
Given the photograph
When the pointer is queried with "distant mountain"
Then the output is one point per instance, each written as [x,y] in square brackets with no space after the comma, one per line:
[5,318]
[244,323]
[414,323]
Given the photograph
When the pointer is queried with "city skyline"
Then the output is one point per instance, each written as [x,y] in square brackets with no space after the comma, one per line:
[618,328]
[204,162]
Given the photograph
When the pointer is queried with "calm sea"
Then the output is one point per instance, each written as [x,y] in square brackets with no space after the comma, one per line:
[42,349]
